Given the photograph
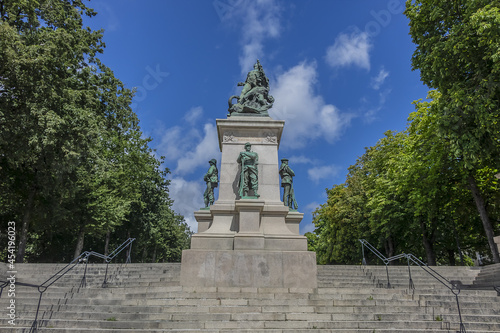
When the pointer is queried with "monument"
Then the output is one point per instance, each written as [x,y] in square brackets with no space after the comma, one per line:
[248,237]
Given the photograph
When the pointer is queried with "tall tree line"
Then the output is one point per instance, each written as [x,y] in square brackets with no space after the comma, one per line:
[430,190]
[75,170]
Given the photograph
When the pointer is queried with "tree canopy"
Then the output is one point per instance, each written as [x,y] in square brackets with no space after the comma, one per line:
[430,190]
[73,160]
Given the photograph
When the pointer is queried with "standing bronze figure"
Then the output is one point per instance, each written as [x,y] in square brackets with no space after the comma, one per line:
[249,177]
[286,174]
[212,179]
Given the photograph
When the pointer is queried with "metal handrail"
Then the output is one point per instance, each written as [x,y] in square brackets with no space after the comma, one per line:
[82,258]
[384,259]
[410,257]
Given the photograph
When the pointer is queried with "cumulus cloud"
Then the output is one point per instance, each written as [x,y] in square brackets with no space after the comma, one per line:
[259,20]
[301,159]
[306,114]
[309,227]
[187,199]
[311,207]
[193,115]
[378,81]
[371,114]
[206,149]
[350,49]
[324,172]
[188,146]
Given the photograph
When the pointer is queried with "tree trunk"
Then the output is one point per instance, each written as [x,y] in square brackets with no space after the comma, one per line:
[481,207]
[23,239]
[451,257]
[455,233]
[144,254]
[106,243]
[128,254]
[79,243]
[428,242]
[389,248]
[154,255]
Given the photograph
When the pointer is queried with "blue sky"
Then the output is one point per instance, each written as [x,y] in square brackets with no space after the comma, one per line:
[340,73]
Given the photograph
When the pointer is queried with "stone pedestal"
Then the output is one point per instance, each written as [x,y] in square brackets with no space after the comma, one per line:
[497,241]
[249,242]
[274,269]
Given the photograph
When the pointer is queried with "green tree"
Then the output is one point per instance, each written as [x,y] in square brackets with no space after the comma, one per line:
[456,52]
[73,162]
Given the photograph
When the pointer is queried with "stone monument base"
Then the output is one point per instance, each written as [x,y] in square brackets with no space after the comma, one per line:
[249,268]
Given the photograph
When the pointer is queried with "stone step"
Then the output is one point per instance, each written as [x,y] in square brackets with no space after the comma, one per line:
[291,323]
[149,298]
[89,330]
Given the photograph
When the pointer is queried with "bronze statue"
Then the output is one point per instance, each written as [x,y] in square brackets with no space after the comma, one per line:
[211,178]
[254,98]
[286,174]
[249,177]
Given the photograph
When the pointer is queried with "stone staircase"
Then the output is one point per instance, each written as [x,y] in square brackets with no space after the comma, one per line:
[489,275]
[149,298]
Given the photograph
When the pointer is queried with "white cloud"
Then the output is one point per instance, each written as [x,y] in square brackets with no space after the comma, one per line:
[311,207]
[258,20]
[379,79]
[307,228]
[187,146]
[306,114]
[317,173]
[205,150]
[193,115]
[350,50]
[371,114]
[188,197]
[168,147]
[300,160]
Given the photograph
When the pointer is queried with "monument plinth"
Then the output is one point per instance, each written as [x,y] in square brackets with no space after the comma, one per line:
[249,237]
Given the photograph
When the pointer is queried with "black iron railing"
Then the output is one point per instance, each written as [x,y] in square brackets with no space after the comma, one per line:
[82,259]
[453,286]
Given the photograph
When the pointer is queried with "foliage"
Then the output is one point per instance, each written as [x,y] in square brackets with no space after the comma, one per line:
[405,194]
[457,53]
[73,162]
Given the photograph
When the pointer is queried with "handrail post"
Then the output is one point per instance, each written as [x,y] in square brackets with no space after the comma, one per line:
[34,326]
[83,284]
[363,250]
[411,285]
[462,326]
[128,261]
[105,282]
[387,271]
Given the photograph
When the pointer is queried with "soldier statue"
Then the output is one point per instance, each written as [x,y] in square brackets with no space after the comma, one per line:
[286,174]
[211,178]
[249,177]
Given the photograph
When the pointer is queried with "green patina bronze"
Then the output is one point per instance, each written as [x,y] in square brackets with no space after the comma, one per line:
[249,176]
[286,174]
[211,178]
[254,99]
